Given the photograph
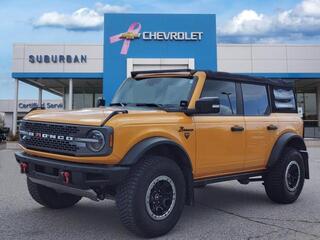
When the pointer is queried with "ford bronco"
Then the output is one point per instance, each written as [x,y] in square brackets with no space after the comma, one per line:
[165,133]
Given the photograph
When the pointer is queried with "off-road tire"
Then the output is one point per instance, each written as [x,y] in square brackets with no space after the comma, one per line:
[49,198]
[132,194]
[275,180]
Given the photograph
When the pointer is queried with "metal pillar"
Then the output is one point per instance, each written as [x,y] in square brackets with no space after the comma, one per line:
[15,110]
[70,94]
[318,103]
[40,97]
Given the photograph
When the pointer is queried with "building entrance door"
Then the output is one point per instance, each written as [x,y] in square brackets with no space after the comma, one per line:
[307,106]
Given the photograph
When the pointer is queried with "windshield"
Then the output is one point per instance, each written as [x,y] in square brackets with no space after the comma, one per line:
[156,91]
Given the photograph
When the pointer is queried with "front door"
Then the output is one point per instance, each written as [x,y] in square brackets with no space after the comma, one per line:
[220,137]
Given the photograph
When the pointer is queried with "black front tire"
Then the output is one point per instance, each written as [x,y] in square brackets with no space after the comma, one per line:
[49,198]
[133,196]
[280,185]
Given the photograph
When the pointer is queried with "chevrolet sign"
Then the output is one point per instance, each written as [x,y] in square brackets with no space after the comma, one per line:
[172,36]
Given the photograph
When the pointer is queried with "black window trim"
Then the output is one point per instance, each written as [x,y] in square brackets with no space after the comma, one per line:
[240,102]
[283,110]
[239,106]
[268,96]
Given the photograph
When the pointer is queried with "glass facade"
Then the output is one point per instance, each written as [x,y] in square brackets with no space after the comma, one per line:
[83,100]
[86,92]
[308,103]
[308,106]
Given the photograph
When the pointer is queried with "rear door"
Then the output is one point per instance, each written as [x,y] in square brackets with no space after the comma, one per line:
[261,126]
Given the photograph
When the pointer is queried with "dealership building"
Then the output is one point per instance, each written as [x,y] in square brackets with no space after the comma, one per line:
[7,108]
[82,73]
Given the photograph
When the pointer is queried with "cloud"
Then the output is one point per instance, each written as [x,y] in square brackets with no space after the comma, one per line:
[300,23]
[297,23]
[83,19]
[246,23]
[107,8]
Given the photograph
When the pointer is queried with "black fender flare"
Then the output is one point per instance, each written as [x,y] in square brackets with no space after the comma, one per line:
[289,139]
[142,147]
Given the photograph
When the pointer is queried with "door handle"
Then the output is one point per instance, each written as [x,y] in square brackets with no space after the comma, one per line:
[237,128]
[272,127]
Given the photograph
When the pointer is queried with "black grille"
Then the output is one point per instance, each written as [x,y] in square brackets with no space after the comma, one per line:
[47,144]
[66,130]
[51,144]
[66,139]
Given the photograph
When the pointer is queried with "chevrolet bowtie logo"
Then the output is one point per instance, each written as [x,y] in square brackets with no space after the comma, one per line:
[126,37]
[130,35]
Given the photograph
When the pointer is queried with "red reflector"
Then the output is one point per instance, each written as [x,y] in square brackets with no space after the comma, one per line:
[23,167]
[66,177]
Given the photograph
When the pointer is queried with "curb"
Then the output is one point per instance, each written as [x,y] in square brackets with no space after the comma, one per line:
[312,142]
[13,145]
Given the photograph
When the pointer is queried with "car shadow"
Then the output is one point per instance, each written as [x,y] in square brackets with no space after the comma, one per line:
[91,220]
[231,193]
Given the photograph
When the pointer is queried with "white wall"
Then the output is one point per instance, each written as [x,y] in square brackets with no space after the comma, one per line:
[239,58]
[8,120]
[93,52]
[268,58]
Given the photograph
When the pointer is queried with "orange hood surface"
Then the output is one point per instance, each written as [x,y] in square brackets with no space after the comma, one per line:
[90,116]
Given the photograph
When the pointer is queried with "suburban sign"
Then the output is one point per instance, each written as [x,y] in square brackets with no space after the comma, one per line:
[57,58]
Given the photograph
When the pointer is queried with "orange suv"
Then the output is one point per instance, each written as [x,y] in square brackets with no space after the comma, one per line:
[165,133]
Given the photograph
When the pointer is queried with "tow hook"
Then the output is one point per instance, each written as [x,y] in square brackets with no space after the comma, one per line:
[23,167]
[66,177]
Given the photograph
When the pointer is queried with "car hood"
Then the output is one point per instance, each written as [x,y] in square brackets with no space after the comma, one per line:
[90,116]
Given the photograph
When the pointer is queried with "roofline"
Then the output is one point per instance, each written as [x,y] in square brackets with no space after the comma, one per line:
[248,78]
[222,75]
[135,73]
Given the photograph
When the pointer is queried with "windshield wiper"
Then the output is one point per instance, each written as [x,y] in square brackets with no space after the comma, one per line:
[160,106]
[118,104]
[149,105]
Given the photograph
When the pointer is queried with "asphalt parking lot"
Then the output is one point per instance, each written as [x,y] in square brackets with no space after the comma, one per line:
[223,211]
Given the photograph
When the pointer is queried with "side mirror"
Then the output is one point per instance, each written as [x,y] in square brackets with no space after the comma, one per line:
[208,105]
[101,102]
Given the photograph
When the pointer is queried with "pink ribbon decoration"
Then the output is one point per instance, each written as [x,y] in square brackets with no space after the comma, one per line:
[134,29]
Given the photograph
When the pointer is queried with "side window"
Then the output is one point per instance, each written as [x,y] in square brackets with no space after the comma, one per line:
[255,100]
[226,91]
[284,99]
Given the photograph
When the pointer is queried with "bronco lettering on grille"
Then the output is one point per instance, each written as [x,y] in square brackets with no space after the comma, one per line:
[48,136]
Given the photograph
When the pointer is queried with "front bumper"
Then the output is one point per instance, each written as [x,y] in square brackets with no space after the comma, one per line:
[49,172]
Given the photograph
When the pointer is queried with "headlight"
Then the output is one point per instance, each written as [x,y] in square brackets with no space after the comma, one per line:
[98,141]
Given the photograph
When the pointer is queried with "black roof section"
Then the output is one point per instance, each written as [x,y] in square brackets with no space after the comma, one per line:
[190,72]
[226,76]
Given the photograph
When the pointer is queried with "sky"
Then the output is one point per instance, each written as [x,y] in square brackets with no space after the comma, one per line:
[81,21]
